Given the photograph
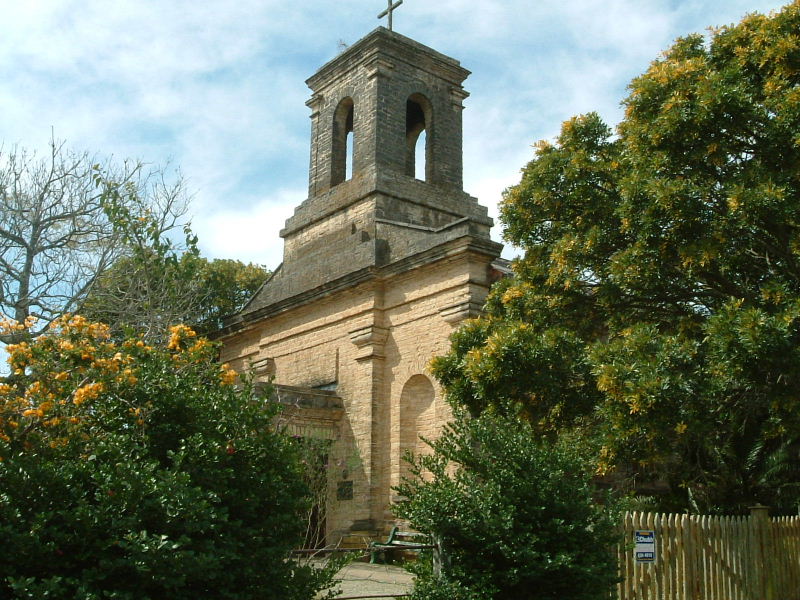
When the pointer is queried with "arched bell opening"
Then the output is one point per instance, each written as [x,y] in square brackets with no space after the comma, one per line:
[419,113]
[343,142]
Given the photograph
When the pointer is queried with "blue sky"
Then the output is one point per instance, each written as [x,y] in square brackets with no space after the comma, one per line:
[217,88]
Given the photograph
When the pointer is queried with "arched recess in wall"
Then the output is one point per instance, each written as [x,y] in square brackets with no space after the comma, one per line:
[419,119]
[417,417]
[342,129]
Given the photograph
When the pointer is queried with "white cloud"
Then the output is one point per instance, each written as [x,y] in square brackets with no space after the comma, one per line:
[250,232]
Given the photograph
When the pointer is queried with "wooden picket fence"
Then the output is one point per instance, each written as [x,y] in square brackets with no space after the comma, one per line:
[713,558]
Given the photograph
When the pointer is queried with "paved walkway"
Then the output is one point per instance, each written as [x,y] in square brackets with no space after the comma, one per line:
[364,579]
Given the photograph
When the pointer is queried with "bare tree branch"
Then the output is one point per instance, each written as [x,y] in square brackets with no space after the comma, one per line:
[56,235]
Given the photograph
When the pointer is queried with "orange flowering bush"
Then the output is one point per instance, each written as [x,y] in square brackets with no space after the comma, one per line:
[132,471]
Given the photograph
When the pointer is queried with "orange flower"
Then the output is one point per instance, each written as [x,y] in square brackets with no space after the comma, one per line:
[177,334]
[90,391]
[199,345]
[227,375]
[99,331]
[33,389]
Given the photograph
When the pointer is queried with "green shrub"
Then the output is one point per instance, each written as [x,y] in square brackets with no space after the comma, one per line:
[514,517]
[135,472]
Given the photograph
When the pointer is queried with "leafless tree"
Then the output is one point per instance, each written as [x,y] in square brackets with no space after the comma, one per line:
[56,235]
[147,293]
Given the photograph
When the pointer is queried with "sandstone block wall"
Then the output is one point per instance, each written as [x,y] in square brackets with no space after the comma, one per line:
[372,344]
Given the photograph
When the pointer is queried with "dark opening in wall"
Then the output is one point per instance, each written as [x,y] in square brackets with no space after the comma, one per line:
[418,137]
[343,142]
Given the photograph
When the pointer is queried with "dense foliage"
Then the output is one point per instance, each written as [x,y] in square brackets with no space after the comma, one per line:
[514,517]
[227,285]
[657,306]
[132,471]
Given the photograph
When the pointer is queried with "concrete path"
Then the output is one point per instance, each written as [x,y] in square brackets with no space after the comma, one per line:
[364,579]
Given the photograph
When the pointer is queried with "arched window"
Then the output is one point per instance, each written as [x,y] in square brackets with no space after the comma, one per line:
[343,148]
[418,146]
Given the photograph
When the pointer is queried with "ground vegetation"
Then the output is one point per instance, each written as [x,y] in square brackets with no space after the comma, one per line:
[137,471]
[512,517]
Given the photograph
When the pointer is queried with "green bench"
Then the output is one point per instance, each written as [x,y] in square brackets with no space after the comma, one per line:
[398,540]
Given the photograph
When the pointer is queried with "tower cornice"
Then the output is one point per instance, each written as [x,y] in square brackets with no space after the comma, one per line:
[379,42]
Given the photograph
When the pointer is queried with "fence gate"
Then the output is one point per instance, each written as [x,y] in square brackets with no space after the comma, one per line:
[710,558]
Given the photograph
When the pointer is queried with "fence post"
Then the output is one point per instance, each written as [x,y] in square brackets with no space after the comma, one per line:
[763,587]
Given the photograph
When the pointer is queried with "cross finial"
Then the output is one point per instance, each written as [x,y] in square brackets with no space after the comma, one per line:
[389,10]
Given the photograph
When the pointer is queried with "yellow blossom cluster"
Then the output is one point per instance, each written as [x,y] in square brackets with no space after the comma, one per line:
[12,325]
[227,375]
[511,294]
[68,380]
[76,324]
[88,392]
[178,334]
[128,377]
[200,345]
[19,356]
[113,364]
[136,345]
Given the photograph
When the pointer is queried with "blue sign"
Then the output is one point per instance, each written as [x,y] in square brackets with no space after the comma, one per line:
[645,549]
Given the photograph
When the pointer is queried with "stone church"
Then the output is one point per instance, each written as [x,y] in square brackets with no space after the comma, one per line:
[381,263]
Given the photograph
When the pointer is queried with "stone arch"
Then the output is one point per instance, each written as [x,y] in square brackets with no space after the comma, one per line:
[342,127]
[419,118]
[417,416]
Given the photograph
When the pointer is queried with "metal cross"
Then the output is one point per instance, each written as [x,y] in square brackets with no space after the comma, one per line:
[389,9]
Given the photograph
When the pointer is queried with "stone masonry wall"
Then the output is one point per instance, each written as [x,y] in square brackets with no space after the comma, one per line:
[325,342]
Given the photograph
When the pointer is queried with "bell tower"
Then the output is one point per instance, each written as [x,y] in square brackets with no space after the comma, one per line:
[366,205]
[386,90]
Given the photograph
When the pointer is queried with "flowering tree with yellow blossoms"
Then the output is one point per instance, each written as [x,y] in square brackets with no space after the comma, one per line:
[131,471]
[656,309]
